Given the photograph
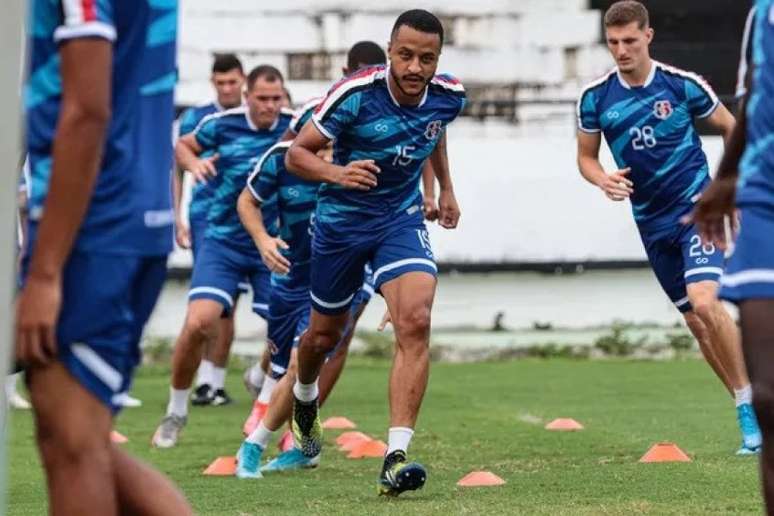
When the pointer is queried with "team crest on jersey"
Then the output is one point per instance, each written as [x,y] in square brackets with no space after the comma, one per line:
[662,109]
[433,129]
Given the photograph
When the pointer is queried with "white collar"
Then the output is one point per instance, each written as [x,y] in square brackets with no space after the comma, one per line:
[394,100]
[254,127]
[648,79]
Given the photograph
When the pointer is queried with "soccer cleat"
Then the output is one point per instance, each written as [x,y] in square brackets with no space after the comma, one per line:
[307,428]
[290,460]
[16,401]
[399,476]
[202,395]
[249,460]
[220,397]
[254,389]
[256,415]
[744,450]
[748,424]
[168,432]
[127,401]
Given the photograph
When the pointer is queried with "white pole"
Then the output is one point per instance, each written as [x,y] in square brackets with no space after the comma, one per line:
[11,24]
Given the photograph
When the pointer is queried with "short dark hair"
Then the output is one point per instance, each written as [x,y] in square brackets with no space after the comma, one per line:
[223,63]
[365,53]
[421,20]
[266,72]
[625,12]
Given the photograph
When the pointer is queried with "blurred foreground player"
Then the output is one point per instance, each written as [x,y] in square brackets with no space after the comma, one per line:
[99,100]
[745,180]
[646,110]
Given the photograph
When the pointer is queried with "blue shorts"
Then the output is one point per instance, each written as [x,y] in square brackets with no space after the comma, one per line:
[678,257]
[750,271]
[219,270]
[106,301]
[198,227]
[339,257]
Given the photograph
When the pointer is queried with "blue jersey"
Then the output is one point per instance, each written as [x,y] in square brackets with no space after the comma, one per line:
[304,114]
[366,121]
[240,144]
[756,180]
[650,129]
[296,200]
[130,210]
[201,193]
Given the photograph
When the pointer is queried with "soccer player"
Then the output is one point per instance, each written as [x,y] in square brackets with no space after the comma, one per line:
[236,139]
[360,55]
[745,180]
[646,110]
[99,102]
[228,81]
[386,121]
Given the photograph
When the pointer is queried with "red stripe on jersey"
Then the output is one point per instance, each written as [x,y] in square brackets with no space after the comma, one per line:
[89,12]
[447,79]
[363,72]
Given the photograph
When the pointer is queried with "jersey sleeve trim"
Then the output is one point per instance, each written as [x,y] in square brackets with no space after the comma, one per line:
[744,55]
[579,105]
[322,128]
[710,110]
[301,113]
[696,79]
[277,147]
[344,89]
[85,30]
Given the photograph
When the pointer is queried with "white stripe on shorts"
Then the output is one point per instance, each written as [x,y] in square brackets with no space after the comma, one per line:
[748,276]
[401,263]
[337,304]
[704,270]
[97,365]
[214,291]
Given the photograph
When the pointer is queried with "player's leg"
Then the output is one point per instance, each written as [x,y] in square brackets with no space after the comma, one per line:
[12,395]
[143,490]
[700,333]
[404,272]
[218,355]
[703,265]
[757,318]
[202,394]
[73,436]
[213,286]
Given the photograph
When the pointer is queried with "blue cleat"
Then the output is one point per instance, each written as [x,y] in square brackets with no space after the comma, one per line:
[748,424]
[249,461]
[291,460]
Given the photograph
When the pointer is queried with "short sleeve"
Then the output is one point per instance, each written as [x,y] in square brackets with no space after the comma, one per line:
[588,120]
[453,88]
[303,115]
[339,109]
[86,19]
[263,183]
[187,123]
[206,133]
[701,100]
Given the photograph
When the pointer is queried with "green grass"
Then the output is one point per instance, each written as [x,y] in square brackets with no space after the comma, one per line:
[474,417]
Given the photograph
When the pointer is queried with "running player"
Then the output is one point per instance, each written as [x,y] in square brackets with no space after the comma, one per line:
[228,81]
[360,55]
[646,110]
[99,101]
[386,121]
[237,138]
[746,173]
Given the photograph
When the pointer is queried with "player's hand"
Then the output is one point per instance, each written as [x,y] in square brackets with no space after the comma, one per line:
[430,209]
[271,255]
[358,175]
[386,319]
[182,234]
[204,169]
[448,209]
[617,186]
[711,210]
[37,311]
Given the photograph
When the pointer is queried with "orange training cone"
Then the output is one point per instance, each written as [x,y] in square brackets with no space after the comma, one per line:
[480,479]
[372,448]
[222,467]
[338,423]
[665,452]
[564,425]
[118,438]
[348,440]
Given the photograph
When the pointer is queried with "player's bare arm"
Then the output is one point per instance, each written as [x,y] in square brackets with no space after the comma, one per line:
[717,202]
[249,209]
[302,160]
[616,186]
[722,121]
[448,209]
[187,152]
[182,231]
[429,204]
[77,153]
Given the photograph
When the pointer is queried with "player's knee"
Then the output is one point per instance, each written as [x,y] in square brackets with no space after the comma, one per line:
[200,326]
[323,341]
[71,445]
[413,323]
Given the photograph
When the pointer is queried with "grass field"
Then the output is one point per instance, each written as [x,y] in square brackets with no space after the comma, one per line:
[475,416]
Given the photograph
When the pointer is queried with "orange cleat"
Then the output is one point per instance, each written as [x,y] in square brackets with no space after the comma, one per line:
[255,417]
